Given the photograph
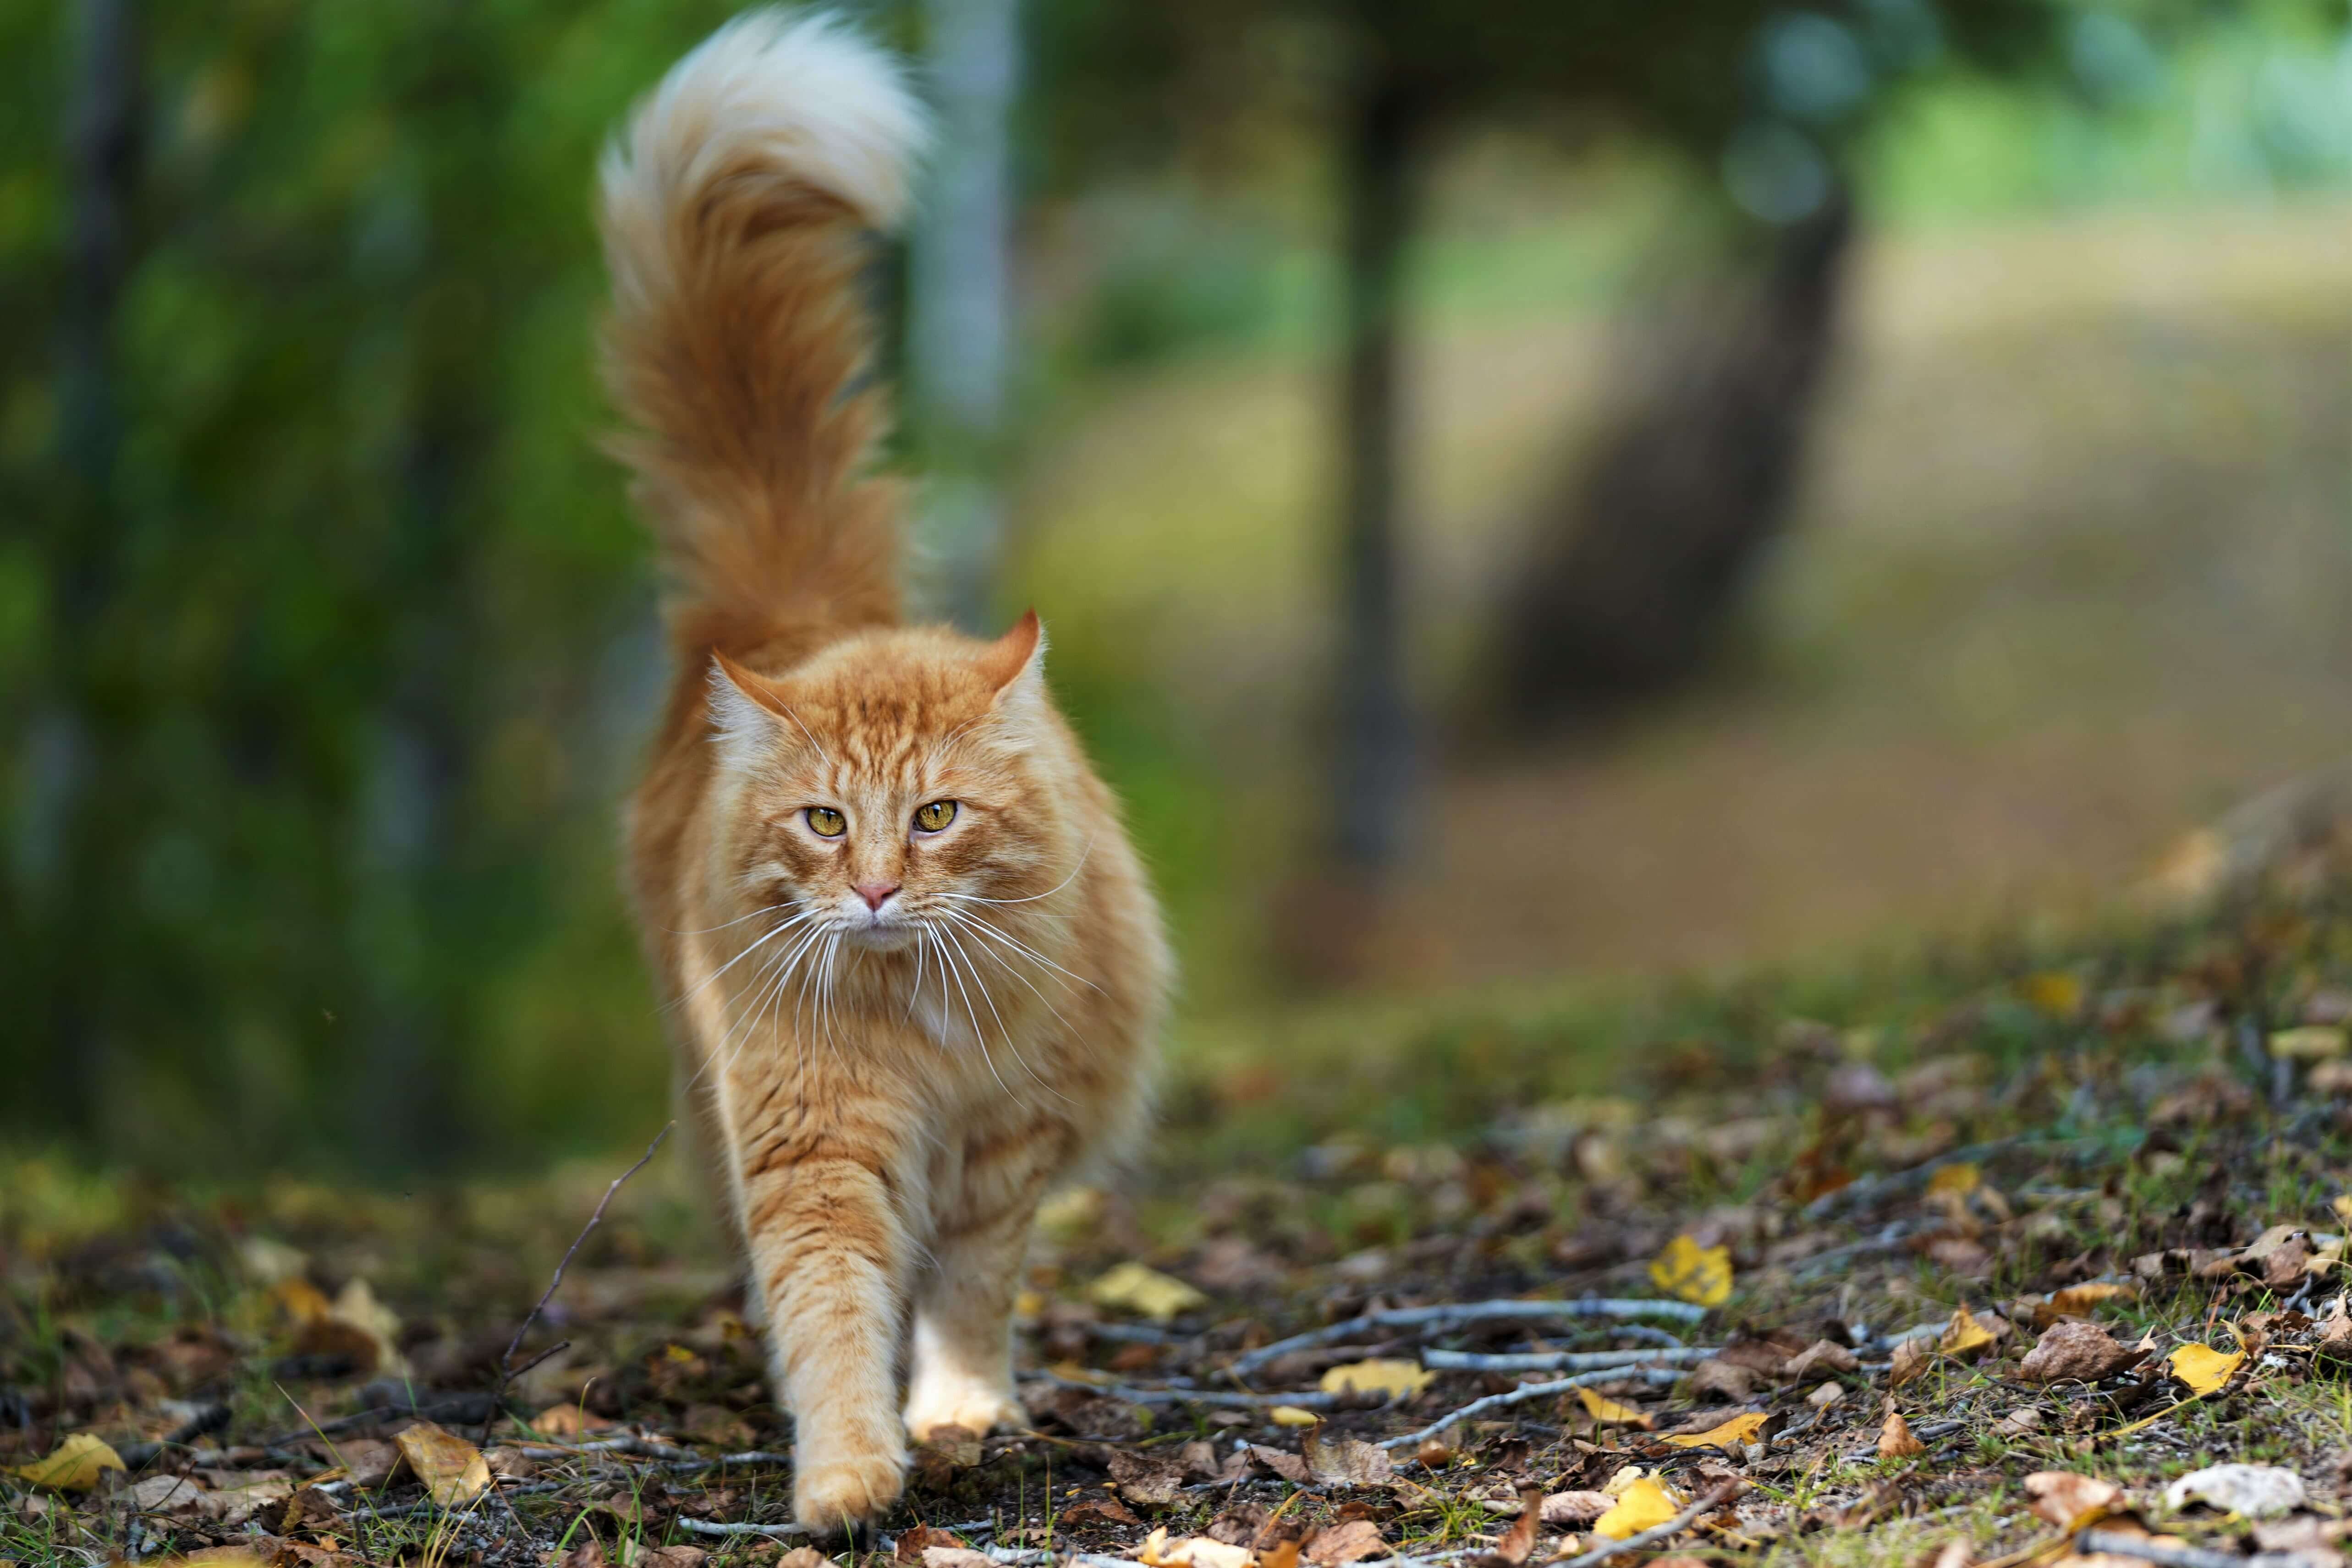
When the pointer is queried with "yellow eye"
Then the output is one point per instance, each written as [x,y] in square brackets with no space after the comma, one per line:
[935,816]
[824,821]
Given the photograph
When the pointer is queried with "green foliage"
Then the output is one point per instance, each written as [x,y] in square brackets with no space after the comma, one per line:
[319,667]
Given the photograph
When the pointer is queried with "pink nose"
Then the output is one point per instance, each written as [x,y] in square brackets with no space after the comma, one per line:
[874,892]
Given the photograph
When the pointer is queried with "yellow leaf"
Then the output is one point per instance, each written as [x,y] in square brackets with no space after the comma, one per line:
[1695,1273]
[1292,1416]
[2204,1368]
[1645,1506]
[2076,1300]
[1609,1412]
[1740,1428]
[1964,1334]
[2310,1043]
[2343,1207]
[1131,1287]
[302,1302]
[2056,993]
[1392,1378]
[453,1470]
[1954,1180]
[73,1465]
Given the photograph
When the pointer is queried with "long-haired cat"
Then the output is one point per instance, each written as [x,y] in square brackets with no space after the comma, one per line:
[914,969]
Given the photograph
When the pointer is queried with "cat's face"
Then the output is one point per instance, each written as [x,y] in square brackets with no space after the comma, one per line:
[885,795]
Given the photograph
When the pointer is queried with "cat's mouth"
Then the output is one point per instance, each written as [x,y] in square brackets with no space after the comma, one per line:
[879,933]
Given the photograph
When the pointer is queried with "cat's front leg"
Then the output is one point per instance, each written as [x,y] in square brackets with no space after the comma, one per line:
[830,1258]
[963,1374]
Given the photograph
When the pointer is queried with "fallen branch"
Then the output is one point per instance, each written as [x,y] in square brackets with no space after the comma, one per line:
[506,1362]
[2175,1554]
[1871,1189]
[1559,1359]
[1528,1391]
[1467,1312]
[773,1532]
[1134,1395]
[1705,1505]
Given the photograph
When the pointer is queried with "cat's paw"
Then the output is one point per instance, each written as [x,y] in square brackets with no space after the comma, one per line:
[833,1495]
[978,1410]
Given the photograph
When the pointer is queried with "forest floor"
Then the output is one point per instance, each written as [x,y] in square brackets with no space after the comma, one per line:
[1964,1259]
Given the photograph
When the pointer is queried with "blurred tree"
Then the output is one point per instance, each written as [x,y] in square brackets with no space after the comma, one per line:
[303,640]
[1767,93]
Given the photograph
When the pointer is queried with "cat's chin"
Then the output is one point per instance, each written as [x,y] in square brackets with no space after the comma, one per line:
[892,938]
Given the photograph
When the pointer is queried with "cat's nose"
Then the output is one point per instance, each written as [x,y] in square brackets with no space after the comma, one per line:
[874,892]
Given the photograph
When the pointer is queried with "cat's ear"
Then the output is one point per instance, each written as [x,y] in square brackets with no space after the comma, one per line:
[746,716]
[1014,664]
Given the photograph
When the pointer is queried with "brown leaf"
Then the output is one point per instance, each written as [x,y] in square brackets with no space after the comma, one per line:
[1337,1460]
[1343,1544]
[2072,1350]
[911,1542]
[1198,1458]
[1564,1508]
[452,1468]
[1288,1466]
[671,1557]
[1910,1359]
[1822,1356]
[307,1508]
[804,1557]
[1148,1478]
[368,1462]
[2068,1499]
[1724,1379]
[1895,1438]
[947,1557]
[1520,1538]
[1100,1510]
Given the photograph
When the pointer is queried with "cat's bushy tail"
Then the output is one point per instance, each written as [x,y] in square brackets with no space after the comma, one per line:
[733,211]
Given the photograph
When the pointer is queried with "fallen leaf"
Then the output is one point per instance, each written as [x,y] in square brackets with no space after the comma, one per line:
[1100,1510]
[1910,1359]
[2056,993]
[1645,1505]
[1827,1394]
[1288,1466]
[2072,1350]
[1609,1413]
[2311,1042]
[1576,1508]
[1193,1552]
[1895,1438]
[1336,1545]
[1132,1287]
[911,1542]
[2079,1301]
[2204,1368]
[1956,1180]
[567,1420]
[941,1557]
[452,1468]
[166,1494]
[1964,1335]
[804,1557]
[2069,1500]
[1520,1538]
[1694,1273]
[1739,1429]
[1344,1461]
[235,1506]
[1822,1356]
[1395,1379]
[2257,1491]
[1292,1416]
[1145,1478]
[73,1465]
[300,1300]
[1725,1380]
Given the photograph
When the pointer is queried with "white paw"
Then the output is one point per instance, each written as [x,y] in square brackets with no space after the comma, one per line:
[975,1408]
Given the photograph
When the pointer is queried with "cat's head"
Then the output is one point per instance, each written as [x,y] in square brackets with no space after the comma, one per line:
[898,782]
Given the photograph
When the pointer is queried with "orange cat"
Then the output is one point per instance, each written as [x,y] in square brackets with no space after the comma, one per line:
[914,970]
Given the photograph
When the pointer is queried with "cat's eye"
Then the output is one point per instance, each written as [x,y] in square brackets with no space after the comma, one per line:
[935,816]
[824,821]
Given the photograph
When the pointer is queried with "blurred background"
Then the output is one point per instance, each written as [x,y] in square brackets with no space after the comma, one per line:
[1519,492]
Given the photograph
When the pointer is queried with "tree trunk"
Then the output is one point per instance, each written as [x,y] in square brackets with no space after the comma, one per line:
[80,855]
[958,325]
[1373,776]
[1643,559]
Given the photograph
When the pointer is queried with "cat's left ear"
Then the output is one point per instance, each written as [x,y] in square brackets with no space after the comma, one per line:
[1014,664]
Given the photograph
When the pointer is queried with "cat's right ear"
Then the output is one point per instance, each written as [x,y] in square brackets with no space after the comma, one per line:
[746,716]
